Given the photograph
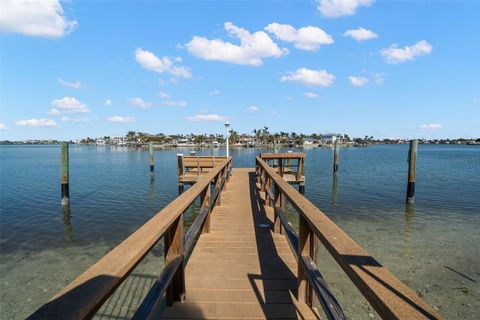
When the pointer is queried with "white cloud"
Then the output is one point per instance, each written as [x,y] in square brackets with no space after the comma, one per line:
[378,77]
[35,18]
[121,119]
[361,34]
[140,103]
[3,127]
[306,38]
[339,8]
[148,60]
[79,119]
[319,78]
[67,105]
[74,85]
[252,49]
[107,102]
[396,55]
[171,103]
[163,95]
[311,95]
[36,123]
[214,92]
[358,81]
[431,126]
[252,109]
[208,117]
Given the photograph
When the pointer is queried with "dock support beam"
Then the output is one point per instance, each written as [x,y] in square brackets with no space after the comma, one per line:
[336,155]
[152,160]
[412,168]
[64,176]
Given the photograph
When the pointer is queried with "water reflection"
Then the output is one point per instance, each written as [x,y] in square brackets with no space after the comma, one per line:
[334,189]
[153,187]
[67,223]
[407,230]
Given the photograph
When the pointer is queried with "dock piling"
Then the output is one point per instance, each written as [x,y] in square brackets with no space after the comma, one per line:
[336,155]
[412,169]
[64,177]
[152,160]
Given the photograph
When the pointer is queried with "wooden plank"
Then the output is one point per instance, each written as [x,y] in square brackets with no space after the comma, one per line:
[389,296]
[252,310]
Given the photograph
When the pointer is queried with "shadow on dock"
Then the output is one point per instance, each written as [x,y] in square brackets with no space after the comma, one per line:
[279,283]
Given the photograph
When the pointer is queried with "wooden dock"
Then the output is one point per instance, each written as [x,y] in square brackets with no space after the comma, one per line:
[240,258]
[241,269]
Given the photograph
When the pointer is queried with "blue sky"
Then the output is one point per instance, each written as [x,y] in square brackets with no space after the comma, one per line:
[387,68]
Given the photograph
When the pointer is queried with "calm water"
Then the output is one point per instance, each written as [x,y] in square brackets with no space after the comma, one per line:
[432,246]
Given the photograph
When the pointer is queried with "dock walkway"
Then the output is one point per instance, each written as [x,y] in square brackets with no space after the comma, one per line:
[241,269]
[241,258]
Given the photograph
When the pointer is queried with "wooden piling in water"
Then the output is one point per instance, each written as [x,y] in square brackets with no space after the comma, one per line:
[152,159]
[412,169]
[64,177]
[336,155]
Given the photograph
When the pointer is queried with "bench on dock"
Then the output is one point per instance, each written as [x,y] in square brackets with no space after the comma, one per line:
[191,168]
[240,258]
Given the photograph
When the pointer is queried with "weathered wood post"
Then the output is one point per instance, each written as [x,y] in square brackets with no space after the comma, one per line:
[180,172]
[174,248]
[152,160]
[64,177]
[305,248]
[334,188]
[336,155]
[300,174]
[412,168]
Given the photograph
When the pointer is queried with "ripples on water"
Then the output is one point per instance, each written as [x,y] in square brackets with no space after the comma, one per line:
[112,194]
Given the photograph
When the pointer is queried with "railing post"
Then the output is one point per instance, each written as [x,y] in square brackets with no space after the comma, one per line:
[205,201]
[305,248]
[218,181]
[174,247]
[278,202]
[224,174]
[229,171]
[263,181]
[180,171]
[267,188]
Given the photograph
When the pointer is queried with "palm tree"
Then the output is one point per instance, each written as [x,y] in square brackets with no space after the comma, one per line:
[130,135]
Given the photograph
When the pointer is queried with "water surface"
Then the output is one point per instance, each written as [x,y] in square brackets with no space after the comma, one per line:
[432,246]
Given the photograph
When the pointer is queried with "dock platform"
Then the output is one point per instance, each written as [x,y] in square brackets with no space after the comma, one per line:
[241,258]
[241,268]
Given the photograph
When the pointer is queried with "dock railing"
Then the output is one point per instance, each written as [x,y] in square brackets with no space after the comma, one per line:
[83,297]
[192,168]
[387,295]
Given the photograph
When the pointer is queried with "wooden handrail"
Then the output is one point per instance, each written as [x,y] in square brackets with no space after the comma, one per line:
[86,294]
[389,296]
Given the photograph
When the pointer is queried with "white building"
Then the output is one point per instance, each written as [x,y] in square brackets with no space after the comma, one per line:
[119,140]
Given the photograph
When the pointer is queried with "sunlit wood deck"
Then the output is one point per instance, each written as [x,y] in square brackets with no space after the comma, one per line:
[241,258]
[241,269]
